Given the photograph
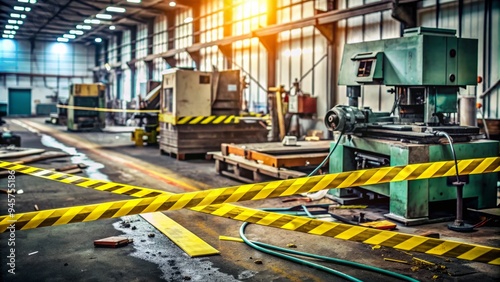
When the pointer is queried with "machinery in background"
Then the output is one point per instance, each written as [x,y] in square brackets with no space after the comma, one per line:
[149,127]
[6,136]
[86,95]
[200,111]
[288,108]
[61,116]
[426,67]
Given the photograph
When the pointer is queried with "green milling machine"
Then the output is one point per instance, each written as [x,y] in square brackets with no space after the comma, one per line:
[425,69]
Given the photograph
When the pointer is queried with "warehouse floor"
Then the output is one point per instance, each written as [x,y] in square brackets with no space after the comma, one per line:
[66,252]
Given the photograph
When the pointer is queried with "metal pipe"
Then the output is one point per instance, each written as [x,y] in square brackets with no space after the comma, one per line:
[459,217]
[488,91]
[460,16]
[437,13]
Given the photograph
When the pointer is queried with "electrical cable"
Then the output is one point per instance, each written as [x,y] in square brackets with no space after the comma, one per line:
[444,134]
[294,259]
[327,156]
[271,249]
[482,222]
[321,194]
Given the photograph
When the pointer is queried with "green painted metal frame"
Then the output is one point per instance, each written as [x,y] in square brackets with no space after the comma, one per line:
[409,200]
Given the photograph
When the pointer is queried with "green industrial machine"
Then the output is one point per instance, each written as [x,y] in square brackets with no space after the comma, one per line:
[425,69]
[84,96]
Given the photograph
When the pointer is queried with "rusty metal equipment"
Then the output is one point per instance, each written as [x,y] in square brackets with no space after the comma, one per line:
[89,96]
[425,69]
[212,103]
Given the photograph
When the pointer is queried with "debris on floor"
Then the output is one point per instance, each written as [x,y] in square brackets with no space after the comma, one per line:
[112,242]
[396,260]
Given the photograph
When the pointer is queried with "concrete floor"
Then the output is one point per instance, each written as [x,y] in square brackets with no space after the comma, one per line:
[67,253]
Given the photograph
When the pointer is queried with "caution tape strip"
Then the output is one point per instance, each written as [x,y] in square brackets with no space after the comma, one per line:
[391,239]
[278,188]
[335,230]
[257,191]
[94,109]
[190,120]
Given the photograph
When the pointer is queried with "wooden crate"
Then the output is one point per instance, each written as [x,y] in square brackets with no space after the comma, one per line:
[249,171]
[275,154]
[179,140]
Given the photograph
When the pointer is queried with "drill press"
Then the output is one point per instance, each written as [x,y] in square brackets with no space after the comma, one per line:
[424,70]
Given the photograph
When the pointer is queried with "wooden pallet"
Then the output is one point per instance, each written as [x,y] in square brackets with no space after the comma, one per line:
[275,154]
[182,156]
[250,171]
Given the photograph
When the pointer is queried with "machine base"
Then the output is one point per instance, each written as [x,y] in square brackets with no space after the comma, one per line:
[417,221]
[464,227]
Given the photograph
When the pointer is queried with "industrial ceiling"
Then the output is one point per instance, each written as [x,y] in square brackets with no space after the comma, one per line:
[81,21]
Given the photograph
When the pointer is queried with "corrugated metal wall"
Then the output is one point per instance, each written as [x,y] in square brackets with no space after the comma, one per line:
[375,26]
[302,53]
[19,59]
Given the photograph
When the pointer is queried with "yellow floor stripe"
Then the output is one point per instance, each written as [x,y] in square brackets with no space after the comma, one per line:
[185,239]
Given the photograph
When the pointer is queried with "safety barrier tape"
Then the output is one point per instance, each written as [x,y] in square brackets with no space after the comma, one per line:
[265,116]
[222,119]
[365,235]
[257,191]
[336,230]
[107,109]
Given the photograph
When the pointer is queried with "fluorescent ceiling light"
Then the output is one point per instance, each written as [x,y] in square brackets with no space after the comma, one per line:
[8,26]
[9,31]
[62,39]
[92,21]
[23,1]
[23,16]
[15,22]
[115,9]
[103,16]
[172,4]
[32,1]
[77,32]
[112,27]
[5,36]
[70,36]
[134,1]
[11,36]
[14,15]
[18,8]
[86,27]
[98,40]
[188,20]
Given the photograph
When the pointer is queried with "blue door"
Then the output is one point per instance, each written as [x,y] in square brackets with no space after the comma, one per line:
[19,102]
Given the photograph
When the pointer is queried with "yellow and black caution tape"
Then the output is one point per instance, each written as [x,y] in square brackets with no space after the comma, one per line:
[356,233]
[280,188]
[190,120]
[258,191]
[106,109]
[335,230]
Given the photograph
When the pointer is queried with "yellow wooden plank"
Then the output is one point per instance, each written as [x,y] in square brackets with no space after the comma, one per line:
[193,245]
